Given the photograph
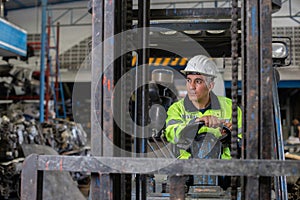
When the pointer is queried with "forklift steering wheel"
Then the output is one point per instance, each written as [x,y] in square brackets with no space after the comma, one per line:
[226,138]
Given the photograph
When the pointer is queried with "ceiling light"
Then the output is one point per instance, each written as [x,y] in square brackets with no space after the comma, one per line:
[215,31]
[168,32]
[192,32]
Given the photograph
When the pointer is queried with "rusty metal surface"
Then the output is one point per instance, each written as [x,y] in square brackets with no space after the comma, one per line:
[29,178]
[107,83]
[266,82]
[52,185]
[111,165]
[252,94]
[96,90]
[177,189]
[258,121]
[102,88]
[96,71]
[251,120]
[107,165]
[107,78]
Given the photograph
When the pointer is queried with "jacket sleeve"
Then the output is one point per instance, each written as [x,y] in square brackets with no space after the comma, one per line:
[174,123]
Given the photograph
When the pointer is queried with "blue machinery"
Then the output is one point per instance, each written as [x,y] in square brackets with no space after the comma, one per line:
[13,39]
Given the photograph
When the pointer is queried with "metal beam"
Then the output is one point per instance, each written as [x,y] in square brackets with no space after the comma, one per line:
[35,164]
[267,122]
[131,165]
[257,86]
[142,95]
[250,91]
[19,3]
[77,16]
[190,13]
[97,189]
[192,25]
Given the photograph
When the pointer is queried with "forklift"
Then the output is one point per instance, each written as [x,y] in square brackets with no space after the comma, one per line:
[119,151]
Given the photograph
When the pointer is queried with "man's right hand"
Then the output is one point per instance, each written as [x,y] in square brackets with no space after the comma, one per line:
[210,121]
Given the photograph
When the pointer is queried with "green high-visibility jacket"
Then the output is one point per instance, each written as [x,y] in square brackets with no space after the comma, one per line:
[183,112]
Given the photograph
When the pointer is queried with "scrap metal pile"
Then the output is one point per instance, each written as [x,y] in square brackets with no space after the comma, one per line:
[18,79]
[19,126]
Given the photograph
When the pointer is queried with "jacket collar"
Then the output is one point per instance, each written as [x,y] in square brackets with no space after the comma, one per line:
[214,102]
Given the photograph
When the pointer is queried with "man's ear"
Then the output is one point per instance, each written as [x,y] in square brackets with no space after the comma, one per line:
[211,86]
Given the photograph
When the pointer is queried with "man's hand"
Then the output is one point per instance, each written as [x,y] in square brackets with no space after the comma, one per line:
[214,122]
[228,125]
[210,121]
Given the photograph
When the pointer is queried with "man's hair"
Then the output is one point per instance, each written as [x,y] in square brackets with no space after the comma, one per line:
[209,79]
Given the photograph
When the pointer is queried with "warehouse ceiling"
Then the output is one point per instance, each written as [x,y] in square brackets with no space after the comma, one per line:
[20,4]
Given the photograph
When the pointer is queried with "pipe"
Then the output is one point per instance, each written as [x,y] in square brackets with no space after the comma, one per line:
[42,67]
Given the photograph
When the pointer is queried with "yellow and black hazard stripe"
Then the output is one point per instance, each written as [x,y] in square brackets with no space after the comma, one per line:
[164,61]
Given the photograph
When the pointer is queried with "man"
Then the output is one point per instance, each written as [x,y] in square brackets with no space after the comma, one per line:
[200,104]
[296,124]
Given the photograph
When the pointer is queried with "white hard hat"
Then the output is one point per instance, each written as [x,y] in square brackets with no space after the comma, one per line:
[200,65]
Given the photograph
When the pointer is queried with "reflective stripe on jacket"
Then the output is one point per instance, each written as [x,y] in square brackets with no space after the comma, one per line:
[183,111]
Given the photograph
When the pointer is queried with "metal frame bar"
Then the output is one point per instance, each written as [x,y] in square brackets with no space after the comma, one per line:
[34,165]
[251,92]
[102,93]
[97,188]
[180,13]
[19,3]
[187,2]
[258,112]
[68,13]
[124,23]
[267,122]
[193,25]
[142,96]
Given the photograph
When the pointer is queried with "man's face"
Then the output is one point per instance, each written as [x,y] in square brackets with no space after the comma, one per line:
[196,87]
[295,122]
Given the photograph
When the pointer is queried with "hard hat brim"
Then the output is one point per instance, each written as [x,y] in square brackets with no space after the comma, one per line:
[196,73]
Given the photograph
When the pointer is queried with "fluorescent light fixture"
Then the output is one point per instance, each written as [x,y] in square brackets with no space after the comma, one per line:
[192,32]
[168,32]
[215,31]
